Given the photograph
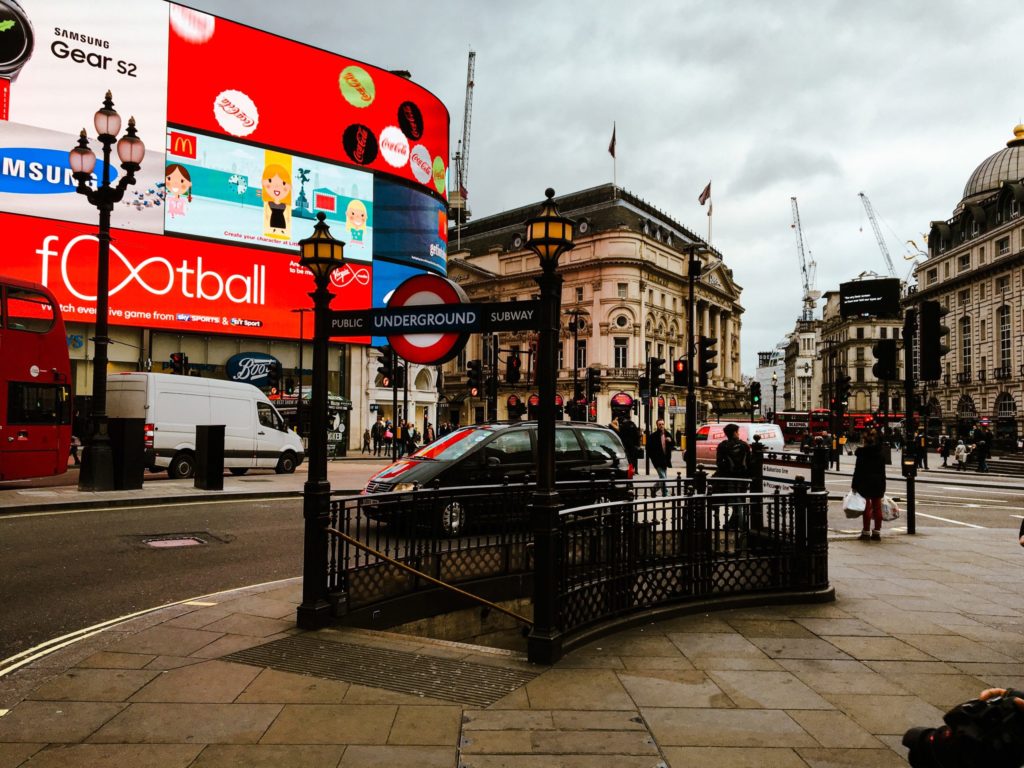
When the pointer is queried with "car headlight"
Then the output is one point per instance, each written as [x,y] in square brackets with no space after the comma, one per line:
[398,487]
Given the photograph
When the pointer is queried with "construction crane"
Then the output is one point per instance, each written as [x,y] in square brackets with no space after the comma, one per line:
[459,195]
[807,268]
[878,233]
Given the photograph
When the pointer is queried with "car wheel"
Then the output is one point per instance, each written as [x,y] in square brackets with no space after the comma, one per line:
[238,471]
[452,518]
[286,464]
[183,466]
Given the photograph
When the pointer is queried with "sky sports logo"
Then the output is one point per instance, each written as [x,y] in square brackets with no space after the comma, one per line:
[38,171]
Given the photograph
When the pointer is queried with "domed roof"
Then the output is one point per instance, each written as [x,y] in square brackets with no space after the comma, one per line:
[1005,165]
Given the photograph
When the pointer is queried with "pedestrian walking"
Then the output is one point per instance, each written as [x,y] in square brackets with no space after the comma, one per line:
[630,435]
[659,451]
[921,442]
[377,435]
[366,441]
[981,453]
[73,450]
[944,449]
[732,461]
[869,482]
[960,456]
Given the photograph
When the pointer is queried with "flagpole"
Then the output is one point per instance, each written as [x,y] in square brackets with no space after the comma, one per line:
[711,210]
[611,151]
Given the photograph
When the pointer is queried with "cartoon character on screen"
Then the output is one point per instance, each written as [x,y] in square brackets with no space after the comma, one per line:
[355,221]
[179,189]
[277,200]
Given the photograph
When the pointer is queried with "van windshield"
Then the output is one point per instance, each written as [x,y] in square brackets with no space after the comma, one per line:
[454,445]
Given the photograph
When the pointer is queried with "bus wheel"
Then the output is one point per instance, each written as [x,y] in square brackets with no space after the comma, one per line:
[182,466]
[286,464]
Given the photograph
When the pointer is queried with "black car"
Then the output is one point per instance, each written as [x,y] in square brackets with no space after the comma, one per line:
[588,458]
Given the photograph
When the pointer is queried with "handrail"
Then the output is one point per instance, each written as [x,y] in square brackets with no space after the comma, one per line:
[483,601]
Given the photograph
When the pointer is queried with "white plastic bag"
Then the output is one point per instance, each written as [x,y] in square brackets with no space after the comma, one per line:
[890,509]
[854,504]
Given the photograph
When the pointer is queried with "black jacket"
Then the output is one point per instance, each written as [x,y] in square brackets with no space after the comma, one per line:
[869,472]
[659,457]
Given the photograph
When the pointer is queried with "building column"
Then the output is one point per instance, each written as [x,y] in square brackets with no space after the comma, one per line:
[705,324]
[726,323]
[723,368]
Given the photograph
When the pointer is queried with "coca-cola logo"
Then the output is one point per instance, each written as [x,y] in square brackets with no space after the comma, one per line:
[420,164]
[394,147]
[250,367]
[410,120]
[360,144]
[236,113]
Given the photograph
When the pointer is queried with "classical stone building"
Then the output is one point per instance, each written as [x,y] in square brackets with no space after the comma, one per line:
[624,300]
[975,268]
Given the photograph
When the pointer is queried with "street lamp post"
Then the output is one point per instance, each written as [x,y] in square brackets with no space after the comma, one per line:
[321,254]
[97,473]
[693,272]
[548,235]
[775,392]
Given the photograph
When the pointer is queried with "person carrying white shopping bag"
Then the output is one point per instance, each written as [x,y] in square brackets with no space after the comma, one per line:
[869,482]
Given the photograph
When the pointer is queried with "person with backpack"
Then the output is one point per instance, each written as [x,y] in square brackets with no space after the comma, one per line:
[732,460]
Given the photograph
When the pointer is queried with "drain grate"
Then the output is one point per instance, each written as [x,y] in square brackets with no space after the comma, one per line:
[413,673]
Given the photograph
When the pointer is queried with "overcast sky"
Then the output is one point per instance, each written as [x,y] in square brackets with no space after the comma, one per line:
[767,100]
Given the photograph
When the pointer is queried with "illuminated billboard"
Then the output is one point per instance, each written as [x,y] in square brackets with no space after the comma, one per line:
[231,80]
[239,193]
[234,172]
[171,282]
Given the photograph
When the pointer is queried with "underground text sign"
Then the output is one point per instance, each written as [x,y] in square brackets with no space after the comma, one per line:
[437,318]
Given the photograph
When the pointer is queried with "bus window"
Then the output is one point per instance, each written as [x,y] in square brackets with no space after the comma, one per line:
[28,310]
[29,403]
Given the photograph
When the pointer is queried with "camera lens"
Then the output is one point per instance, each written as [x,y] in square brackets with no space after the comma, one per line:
[16,38]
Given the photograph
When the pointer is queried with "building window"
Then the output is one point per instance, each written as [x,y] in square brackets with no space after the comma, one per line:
[581,353]
[965,261]
[1004,337]
[981,255]
[884,333]
[945,269]
[650,298]
[621,351]
[1003,284]
[860,376]
[561,356]
[1003,246]
[621,321]
[622,290]
[860,333]
[579,293]
[931,276]
[965,297]
[860,353]
[984,332]
[981,290]
[965,344]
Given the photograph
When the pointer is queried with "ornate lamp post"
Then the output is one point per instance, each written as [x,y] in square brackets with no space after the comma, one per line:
[775,392]
[97,473]
[321,254]
[548,235]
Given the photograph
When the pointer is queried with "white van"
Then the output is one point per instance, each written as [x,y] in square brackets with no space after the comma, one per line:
[710,435]
[172,406]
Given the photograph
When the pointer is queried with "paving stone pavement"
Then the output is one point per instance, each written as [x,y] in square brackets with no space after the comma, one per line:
[920,624]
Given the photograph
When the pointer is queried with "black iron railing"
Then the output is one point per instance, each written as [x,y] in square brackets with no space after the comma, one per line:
[624,550]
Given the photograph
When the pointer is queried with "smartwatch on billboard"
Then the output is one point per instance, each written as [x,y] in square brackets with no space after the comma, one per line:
[16,39]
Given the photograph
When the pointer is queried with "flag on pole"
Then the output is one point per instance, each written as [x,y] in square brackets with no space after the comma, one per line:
[611,144]
[705,195]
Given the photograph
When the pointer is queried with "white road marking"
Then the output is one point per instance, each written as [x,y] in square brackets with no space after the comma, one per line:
[972,489]
[947,520]
[183,502]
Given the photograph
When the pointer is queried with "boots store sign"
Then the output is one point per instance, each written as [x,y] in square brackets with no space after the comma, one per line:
[172,283]
[250,367]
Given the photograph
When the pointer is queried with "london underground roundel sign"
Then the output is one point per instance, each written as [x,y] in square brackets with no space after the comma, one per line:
[427,348]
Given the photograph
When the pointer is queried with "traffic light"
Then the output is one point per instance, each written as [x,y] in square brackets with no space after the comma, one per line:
[644,385]
[657,373]
[593,382]
[679,377]
[885,353]
[386,369]
[274,371]
[842,398]
[178,362]
[399,376]
[706,354]
[289,385]
[512,366]
[475,378]
[933,345]
[755,394]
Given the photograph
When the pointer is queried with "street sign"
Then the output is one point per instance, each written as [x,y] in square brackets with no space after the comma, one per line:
[428,319]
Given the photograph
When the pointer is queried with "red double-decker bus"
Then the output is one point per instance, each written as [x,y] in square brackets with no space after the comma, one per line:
[796,424]
[35,394]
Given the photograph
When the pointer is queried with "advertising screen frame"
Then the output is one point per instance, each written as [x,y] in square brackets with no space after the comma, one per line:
[871,298]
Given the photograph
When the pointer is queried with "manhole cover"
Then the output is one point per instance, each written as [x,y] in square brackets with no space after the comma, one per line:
[187,541]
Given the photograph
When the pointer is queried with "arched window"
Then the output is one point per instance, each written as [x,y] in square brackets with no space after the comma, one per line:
[965,344]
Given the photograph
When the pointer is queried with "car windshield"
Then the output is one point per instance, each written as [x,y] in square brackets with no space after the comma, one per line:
[454,445]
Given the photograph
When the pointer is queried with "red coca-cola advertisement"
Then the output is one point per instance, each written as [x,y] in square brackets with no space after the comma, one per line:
[284,94]
[173,283]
